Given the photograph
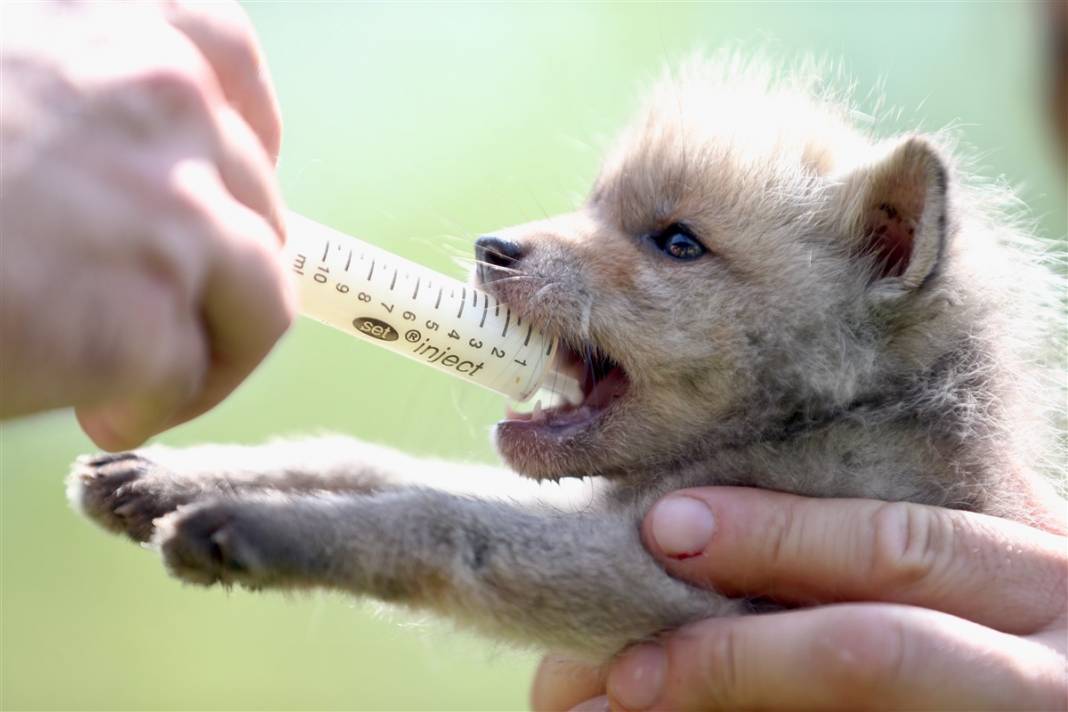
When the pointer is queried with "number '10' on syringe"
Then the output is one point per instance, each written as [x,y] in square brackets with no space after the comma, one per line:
[431,318]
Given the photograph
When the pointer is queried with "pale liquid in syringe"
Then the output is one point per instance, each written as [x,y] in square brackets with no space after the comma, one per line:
[433,319]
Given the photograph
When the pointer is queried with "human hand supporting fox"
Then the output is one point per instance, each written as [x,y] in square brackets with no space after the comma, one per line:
[922,608]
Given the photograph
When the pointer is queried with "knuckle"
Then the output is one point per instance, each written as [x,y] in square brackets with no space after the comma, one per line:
[175,89]
[158,100]
[240,37]
[785,535]
[226,25]
[910,544]
[722,669]
[192,193]
[252,162]
[196,198]
[864,657]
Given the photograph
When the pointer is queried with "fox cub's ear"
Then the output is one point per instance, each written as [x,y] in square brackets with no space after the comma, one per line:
[896,216]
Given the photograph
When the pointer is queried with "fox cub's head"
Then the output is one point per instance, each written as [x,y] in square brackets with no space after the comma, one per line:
[745,258]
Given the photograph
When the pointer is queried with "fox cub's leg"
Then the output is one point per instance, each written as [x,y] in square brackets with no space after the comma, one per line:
[125,492]
[578,581]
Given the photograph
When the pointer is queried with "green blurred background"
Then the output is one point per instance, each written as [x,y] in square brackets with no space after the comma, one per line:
[419,127]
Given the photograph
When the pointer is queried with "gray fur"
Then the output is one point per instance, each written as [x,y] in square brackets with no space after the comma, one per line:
[795,356]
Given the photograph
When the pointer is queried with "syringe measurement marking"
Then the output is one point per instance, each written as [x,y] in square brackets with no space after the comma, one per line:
[324,270]
[326,250]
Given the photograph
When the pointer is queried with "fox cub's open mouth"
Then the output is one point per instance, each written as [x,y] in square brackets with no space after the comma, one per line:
[602,382]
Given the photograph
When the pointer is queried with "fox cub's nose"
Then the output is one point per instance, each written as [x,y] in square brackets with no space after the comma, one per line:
[495,256]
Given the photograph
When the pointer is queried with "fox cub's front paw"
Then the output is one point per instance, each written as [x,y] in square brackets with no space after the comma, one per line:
[125,492]
[248,541]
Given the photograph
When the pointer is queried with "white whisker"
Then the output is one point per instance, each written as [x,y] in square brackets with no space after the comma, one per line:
[516,278]
[495,268]
[587,314]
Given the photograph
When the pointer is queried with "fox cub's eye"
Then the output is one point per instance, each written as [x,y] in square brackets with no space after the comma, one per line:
[677,241]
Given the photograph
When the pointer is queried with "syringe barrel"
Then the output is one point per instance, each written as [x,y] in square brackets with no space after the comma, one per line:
[401,306]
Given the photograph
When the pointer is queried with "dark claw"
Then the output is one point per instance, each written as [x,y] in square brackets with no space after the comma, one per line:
[109,458]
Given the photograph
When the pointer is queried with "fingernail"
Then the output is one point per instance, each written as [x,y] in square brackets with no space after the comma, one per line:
[682,526]
[597,704]
[637,679]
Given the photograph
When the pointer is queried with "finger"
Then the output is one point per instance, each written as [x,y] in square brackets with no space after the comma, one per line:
[167,371]
[247,304]
[225,36]
[560,684]
[842,657]
[601,703]
[245,170]
[799,550]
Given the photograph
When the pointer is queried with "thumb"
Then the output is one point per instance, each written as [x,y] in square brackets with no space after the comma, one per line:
[796,550]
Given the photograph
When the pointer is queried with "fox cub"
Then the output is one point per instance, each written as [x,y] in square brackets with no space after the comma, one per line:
[756,292]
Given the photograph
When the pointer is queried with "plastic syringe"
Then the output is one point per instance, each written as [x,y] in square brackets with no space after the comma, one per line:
[436,320]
